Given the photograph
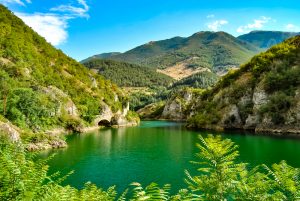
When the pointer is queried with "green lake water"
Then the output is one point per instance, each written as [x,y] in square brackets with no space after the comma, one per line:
[155,151]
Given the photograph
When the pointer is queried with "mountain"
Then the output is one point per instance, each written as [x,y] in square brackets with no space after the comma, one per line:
[102,56]
[128,75]
[42,89]
[262,95]
[266,39]
[211,51]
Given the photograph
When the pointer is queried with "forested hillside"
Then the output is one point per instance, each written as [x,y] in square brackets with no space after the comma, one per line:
[128,75]
[262,95]
[213,51]
[42,88]
[201,80]
[201,50]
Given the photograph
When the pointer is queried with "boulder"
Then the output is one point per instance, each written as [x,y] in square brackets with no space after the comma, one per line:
[8,130]
[173,110]
[231,117]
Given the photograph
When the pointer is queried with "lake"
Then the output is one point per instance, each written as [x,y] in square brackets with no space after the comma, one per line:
[155,151]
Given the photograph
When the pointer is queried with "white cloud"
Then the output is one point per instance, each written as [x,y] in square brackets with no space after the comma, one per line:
[257,24]
[20,2]
[214,26]
[210,16]
[292,27]
[75,11]
[52,27]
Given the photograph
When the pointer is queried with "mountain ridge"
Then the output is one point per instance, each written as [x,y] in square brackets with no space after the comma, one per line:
[266,39]
[181,57]
[200,50]
[105,55]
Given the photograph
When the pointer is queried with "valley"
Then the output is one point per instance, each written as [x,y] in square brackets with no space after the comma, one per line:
[194,88]
[192,115]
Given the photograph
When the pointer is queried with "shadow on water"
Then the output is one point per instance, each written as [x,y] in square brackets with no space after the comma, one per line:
[155,151]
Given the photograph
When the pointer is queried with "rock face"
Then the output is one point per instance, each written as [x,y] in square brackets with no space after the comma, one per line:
[66,105]
[107,118]
[8,130]
[173,110]
[175,107]
[263,95]
[231,117]
[44,145]
[12,133]
[260,98]
[94,82]
[119,120]
[106,114]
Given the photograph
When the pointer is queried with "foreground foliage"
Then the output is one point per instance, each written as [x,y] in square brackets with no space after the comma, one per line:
[221,177]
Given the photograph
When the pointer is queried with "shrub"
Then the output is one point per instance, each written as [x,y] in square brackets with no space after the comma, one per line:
[132,116]
[278,105]
[72,123]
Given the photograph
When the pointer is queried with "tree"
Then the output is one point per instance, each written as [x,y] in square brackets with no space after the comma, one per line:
[5,88]
[219,172]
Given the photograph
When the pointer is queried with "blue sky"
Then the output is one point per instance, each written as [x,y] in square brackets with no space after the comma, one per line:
[82,28]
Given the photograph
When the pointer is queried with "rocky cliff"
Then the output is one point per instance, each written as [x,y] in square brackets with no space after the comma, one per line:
[263,96]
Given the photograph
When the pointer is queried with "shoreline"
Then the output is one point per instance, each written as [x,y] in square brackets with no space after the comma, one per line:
[285,132]
[58,143]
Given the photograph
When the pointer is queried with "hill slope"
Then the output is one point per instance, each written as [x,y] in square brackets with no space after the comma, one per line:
[41,88]
[263,95]
[266,39]
[128,75]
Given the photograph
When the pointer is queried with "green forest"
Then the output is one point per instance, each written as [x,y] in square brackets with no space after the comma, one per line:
[202,80]
[128,75]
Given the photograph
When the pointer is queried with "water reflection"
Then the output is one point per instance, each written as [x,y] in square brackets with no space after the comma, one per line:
[153,152]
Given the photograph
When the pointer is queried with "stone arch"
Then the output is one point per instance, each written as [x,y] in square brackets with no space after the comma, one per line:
[104,122]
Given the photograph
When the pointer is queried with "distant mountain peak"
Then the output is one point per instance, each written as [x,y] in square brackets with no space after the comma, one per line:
[101,56]
[216,51]
[266,39]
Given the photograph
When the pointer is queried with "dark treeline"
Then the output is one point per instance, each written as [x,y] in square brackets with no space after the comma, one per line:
[128,75]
